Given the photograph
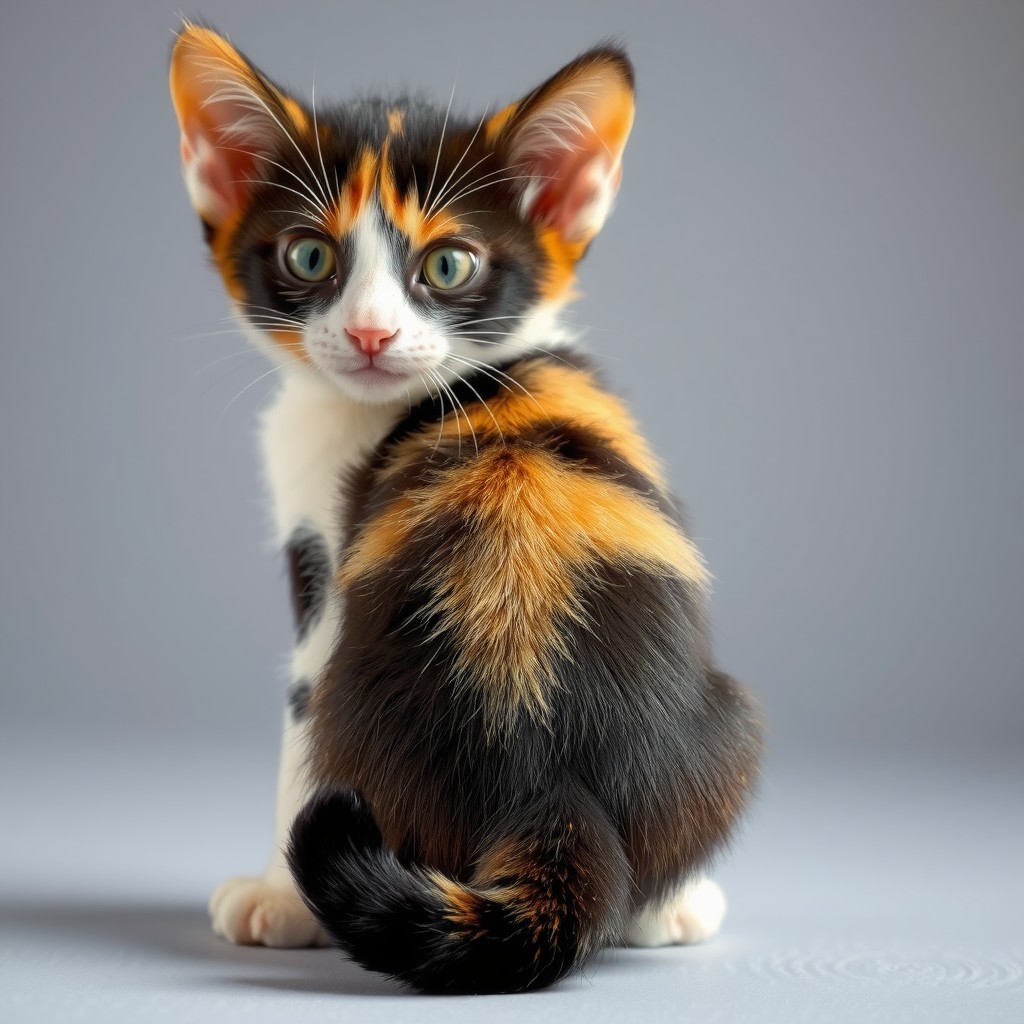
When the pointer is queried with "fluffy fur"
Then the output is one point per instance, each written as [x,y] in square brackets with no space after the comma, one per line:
[505,724]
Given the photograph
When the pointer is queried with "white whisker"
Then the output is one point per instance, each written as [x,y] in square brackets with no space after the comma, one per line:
[204,335]
[469,146]
[440,141]
[489,371]
[269,312]
[456,407]
[317,202]
[276,184]
[251,384]
[316,132]
[207,367]
[490,184]
[497,425]
[267,318]
[469,422]
[440,427]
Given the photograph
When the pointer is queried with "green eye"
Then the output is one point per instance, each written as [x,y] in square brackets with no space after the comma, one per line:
[447,268]
[310,259]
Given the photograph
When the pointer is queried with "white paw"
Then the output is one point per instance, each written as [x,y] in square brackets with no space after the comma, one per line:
[252,912]
[693,915]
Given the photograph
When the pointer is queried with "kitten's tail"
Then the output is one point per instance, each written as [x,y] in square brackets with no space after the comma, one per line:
[546,893]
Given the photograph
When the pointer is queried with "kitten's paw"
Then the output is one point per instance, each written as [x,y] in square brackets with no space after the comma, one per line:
[693,915]
[252,912]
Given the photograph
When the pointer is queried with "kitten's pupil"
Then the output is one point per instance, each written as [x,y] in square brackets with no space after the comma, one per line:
[314,258]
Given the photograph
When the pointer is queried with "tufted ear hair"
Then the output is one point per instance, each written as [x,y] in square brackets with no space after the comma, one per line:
[569,134]
[232,119]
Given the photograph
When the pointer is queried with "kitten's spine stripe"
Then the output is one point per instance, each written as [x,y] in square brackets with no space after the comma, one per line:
[309,570]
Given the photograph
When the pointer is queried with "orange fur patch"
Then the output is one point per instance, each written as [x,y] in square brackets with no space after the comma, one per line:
[535,530]
[220,249]
[562,257]
[295,113]
[528,897]
[381,541]
[406,213]
[496,124]
[546,394]
[354,193]
[291,343]
[396,121]
[463,904]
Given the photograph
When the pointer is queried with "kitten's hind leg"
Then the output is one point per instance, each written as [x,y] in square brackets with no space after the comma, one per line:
[267,910]
[694,914]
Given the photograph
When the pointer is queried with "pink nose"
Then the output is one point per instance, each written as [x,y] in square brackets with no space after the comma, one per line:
[370,339]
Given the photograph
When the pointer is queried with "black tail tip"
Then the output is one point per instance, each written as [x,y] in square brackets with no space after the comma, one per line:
[334,823]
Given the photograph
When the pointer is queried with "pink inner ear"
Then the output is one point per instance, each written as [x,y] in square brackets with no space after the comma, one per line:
[577,180]
[219,169]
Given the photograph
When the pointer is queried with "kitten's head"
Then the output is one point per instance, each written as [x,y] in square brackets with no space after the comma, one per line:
[389,244]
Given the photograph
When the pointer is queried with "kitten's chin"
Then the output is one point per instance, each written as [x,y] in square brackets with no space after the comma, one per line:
[375,386]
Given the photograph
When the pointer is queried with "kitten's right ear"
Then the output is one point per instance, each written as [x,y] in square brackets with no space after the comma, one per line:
[231,117]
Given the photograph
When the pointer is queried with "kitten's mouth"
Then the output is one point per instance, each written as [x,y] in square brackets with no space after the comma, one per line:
[372,371]
[373,374]
[373,379]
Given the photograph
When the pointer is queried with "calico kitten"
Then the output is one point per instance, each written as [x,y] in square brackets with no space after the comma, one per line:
[507,744]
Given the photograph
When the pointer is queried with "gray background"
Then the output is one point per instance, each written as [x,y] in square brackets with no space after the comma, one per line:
[812,293]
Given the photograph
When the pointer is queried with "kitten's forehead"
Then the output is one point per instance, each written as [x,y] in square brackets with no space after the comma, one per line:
[419,165]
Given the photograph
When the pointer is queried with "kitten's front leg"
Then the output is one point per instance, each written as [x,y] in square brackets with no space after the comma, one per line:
[267,910]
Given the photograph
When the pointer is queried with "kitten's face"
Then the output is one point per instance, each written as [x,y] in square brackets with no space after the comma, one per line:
[389,245]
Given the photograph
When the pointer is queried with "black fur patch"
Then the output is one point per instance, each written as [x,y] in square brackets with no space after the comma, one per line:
[298,698]
[433,408]
[309,569]
[584,446]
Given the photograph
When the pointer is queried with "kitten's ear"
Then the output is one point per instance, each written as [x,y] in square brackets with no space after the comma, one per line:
[232,118]
[570,132]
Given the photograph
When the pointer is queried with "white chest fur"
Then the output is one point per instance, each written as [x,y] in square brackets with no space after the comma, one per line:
[311,435]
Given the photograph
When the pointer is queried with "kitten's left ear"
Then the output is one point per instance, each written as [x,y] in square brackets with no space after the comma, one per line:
[570,133]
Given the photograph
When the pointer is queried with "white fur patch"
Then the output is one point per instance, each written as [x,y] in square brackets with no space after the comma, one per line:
[310,434]
[373,296]
[695,914]
[256,912]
